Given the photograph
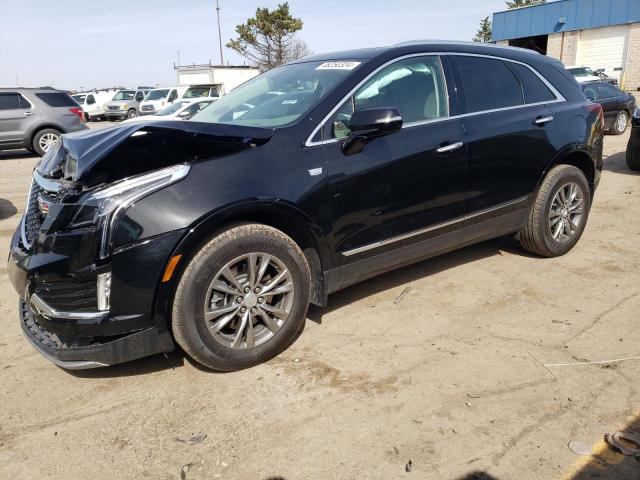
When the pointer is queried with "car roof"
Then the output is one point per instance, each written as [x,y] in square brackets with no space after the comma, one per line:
[429,46]
[32,89]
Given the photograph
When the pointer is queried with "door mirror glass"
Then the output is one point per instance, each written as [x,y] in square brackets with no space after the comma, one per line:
[370,123]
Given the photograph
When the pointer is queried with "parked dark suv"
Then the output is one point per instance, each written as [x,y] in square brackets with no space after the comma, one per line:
[34,118]
[217,232]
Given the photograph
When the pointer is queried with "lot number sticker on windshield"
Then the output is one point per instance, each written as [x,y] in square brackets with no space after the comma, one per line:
[338,66]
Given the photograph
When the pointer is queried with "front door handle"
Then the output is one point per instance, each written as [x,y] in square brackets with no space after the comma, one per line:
[450,147]
[543,120]
[28,114]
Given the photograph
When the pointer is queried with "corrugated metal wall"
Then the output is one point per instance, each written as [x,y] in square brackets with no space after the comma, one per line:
[580,14]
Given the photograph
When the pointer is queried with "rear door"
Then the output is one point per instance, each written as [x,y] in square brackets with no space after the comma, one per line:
[17,116]
[507,128]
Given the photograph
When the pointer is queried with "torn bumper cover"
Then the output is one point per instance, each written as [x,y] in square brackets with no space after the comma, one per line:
[75,352]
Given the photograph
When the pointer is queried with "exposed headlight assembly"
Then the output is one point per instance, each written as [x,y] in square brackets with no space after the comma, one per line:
[106,206]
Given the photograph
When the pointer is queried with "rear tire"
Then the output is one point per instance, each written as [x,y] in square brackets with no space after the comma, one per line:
[620,124]
[45,139]
[556,221]
[217,314]
[633,157]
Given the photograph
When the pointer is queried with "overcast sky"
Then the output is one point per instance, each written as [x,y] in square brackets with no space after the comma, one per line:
[99,43]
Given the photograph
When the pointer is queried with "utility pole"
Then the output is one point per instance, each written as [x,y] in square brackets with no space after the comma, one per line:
[219,31]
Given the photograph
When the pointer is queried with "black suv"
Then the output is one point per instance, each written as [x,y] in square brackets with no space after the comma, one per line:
[217,232]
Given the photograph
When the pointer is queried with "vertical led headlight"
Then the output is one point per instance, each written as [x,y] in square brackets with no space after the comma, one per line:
[106,206]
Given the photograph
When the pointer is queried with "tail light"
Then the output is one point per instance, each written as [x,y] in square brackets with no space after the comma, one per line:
[77,111]
[597,109]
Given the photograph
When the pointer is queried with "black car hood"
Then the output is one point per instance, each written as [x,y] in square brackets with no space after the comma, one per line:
[165,142]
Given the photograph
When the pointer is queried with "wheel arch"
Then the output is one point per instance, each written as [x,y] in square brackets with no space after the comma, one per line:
[285,217]
[44,126]
[579,158]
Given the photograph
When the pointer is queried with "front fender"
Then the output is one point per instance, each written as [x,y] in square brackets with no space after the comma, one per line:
[250,210]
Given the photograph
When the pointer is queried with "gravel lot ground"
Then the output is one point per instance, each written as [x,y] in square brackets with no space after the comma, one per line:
[451,377]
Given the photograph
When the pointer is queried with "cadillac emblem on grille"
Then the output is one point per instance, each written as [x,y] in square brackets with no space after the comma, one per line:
[43,205]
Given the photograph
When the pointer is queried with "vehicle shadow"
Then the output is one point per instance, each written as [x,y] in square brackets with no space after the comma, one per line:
[7,209]
[411,273]
[617,163]
[15,154]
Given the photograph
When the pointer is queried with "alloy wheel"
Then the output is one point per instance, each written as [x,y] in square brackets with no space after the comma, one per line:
[622,122]
[248,300]
[47,141]
[566,213]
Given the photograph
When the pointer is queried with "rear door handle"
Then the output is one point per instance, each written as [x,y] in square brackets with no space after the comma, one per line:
[450,147]
[543,120]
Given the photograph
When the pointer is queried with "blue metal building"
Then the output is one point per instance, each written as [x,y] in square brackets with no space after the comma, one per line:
[595,33]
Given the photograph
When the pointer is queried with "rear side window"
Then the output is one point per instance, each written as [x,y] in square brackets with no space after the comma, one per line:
[57,99]
[9,101]
[488,84]
[533,88]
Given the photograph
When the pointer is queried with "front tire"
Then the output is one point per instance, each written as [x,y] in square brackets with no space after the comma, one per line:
[633,157]
[132,113]
[242,298]
[559,214]
[44,140]
[620,124]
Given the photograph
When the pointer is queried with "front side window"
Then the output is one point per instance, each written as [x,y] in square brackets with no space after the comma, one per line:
[415,86]
[173,95]
[139,96]
[488,84]
[607,91]
[91,100]
[278,97]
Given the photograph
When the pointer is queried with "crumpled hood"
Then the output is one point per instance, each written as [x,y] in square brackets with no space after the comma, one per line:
[178,141]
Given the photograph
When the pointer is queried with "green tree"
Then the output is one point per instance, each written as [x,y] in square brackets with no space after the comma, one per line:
[523,3]
[484,32]
[269,39]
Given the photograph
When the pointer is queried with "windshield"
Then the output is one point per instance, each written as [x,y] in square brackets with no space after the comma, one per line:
[156,94]
[174,107]
[79,98]
[195,92]
[277,97]
[124,95]
[581,72]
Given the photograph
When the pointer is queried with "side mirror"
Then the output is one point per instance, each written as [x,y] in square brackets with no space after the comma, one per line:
[370,123]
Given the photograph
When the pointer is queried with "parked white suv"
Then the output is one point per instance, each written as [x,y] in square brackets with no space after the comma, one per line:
[158,98]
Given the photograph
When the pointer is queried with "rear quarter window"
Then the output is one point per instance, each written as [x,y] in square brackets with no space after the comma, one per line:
[57,99]
[533,88]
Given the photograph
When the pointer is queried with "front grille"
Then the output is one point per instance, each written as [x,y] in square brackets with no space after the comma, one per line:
[69,296]
[33,216]
[147,107]
[113,107]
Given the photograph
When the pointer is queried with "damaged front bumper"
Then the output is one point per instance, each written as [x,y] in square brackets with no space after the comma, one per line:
[59,312]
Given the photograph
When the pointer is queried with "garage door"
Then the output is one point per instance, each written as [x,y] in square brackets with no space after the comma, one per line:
[604,48]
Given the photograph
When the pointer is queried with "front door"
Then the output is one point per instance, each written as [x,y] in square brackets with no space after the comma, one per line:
[405,187]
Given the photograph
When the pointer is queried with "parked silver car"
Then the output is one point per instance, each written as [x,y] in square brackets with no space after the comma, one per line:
[124,104]
[34,118]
